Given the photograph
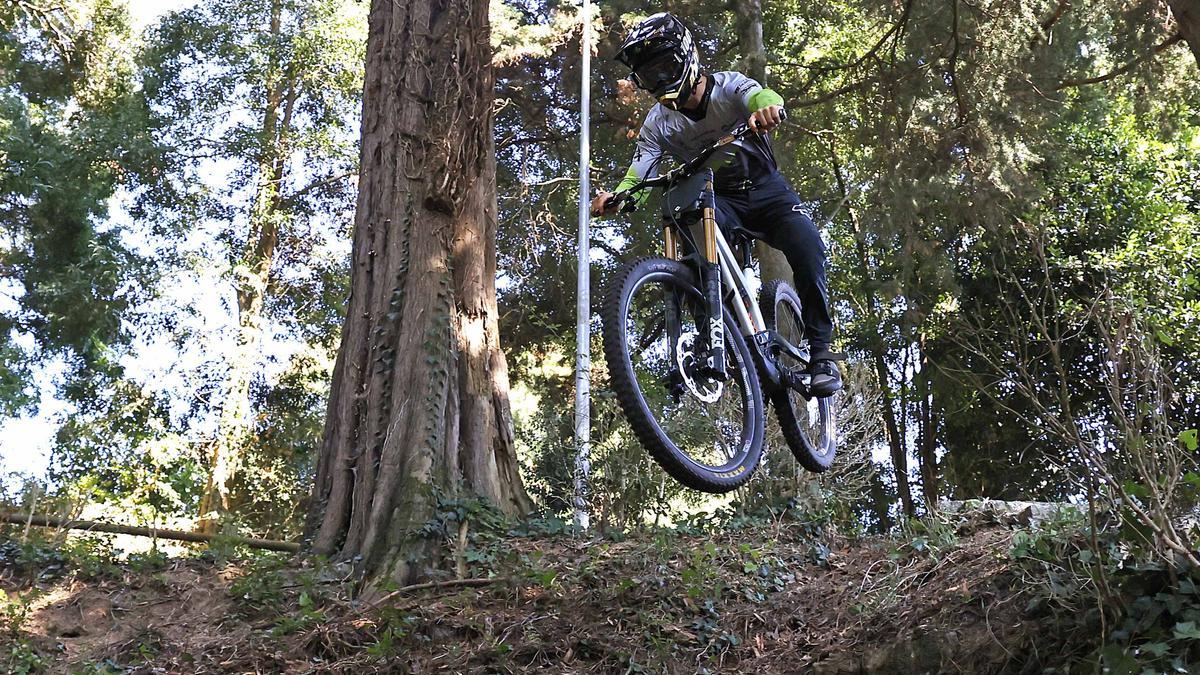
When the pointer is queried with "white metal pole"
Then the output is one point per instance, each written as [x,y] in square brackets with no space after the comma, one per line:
[583,364]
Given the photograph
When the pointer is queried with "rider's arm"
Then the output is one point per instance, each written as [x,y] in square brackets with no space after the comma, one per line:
[646,157]
[758,100]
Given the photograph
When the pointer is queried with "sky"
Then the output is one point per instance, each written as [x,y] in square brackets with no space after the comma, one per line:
[144,12]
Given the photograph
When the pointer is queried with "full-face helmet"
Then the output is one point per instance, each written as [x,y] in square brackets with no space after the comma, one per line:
[663,57]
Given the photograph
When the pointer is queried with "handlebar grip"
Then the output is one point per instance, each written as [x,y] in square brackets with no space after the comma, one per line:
[623,200]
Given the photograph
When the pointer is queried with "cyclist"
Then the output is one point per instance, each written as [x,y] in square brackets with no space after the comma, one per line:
[695,109]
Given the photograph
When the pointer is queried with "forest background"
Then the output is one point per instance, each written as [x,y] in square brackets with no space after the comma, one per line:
[1009,191]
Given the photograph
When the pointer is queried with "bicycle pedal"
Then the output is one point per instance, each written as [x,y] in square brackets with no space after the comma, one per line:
[798,381]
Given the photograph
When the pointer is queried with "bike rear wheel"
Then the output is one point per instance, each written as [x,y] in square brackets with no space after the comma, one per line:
[706,433]
[808,424]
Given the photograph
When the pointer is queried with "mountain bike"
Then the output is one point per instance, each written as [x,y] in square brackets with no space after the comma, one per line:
[692,355]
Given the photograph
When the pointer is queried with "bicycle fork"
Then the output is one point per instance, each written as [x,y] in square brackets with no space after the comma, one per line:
[712,289]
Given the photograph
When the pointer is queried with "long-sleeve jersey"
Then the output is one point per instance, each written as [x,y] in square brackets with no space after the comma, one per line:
[729,99]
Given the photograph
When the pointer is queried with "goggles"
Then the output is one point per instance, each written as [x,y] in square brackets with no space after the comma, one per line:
[658,72]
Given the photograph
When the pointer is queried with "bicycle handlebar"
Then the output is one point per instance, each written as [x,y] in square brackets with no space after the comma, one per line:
[624,199]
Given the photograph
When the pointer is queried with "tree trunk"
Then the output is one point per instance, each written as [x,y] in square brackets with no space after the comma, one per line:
[419,409]
[251,275]
[926,429]
[896,443]
[895,440]
[1187,17]
[772,264]
[750,39]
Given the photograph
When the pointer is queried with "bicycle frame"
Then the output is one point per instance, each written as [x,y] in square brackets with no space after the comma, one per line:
[718,258]
[719,271]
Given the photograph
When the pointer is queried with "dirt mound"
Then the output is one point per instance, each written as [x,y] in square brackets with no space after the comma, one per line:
[181,617]
[776,599]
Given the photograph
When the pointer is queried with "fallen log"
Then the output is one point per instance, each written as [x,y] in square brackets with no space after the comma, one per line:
[178,535]
[1026,513]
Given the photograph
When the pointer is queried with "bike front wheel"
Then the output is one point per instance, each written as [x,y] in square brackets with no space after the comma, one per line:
[705,431]
[807,423]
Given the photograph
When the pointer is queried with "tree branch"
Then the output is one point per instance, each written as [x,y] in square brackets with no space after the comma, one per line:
[1125,68]
[894,30]
[291,199]
[178,535]
[962,108]
[1048,22]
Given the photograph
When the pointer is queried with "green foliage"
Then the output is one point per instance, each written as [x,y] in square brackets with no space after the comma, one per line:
[396,628]
[120,448]
[72,132]
[45,560]
[943,132]
[261,584]
[307,617]
[19,656]
[1151,614]
[930,536]
[181,126]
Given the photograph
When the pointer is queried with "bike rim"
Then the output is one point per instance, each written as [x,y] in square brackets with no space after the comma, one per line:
[714,435]
[814,416]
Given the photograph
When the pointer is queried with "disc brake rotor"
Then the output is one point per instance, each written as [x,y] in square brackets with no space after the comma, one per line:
[704,388]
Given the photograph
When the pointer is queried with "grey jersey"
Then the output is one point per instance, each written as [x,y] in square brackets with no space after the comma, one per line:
[675,134]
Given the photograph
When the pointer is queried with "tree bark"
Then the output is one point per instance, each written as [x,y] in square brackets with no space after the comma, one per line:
[895,440]
[251,276]
[750,39]
[419,408]
[1187,17]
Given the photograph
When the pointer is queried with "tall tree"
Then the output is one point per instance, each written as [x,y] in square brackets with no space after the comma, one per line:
[72,133]
[275,98]
[419,408]
[1187,18]
[772,263]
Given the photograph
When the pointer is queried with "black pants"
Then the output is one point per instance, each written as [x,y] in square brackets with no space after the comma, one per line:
[770,211]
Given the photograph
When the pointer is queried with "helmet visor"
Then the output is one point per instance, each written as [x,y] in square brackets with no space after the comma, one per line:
[659,71]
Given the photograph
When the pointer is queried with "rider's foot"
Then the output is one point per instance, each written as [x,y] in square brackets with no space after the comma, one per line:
[826,378]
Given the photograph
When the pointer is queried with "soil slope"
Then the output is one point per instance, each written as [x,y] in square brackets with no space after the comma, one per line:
[782,598]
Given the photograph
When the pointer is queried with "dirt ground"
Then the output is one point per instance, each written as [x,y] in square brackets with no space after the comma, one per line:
[770,599]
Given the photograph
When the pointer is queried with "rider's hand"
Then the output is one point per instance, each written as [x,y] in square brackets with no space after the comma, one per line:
[598,207]
[766,119]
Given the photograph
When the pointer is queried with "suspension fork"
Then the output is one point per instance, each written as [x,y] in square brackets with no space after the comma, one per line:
[672,312]
[711,280]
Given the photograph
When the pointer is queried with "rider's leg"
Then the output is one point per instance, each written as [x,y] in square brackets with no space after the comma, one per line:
[732,210]
[776,209]
[785,227]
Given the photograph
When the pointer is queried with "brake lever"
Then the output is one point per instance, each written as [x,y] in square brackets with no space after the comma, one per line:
[746,128]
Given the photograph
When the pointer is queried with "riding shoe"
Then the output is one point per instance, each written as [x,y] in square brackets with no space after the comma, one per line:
[826,377]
